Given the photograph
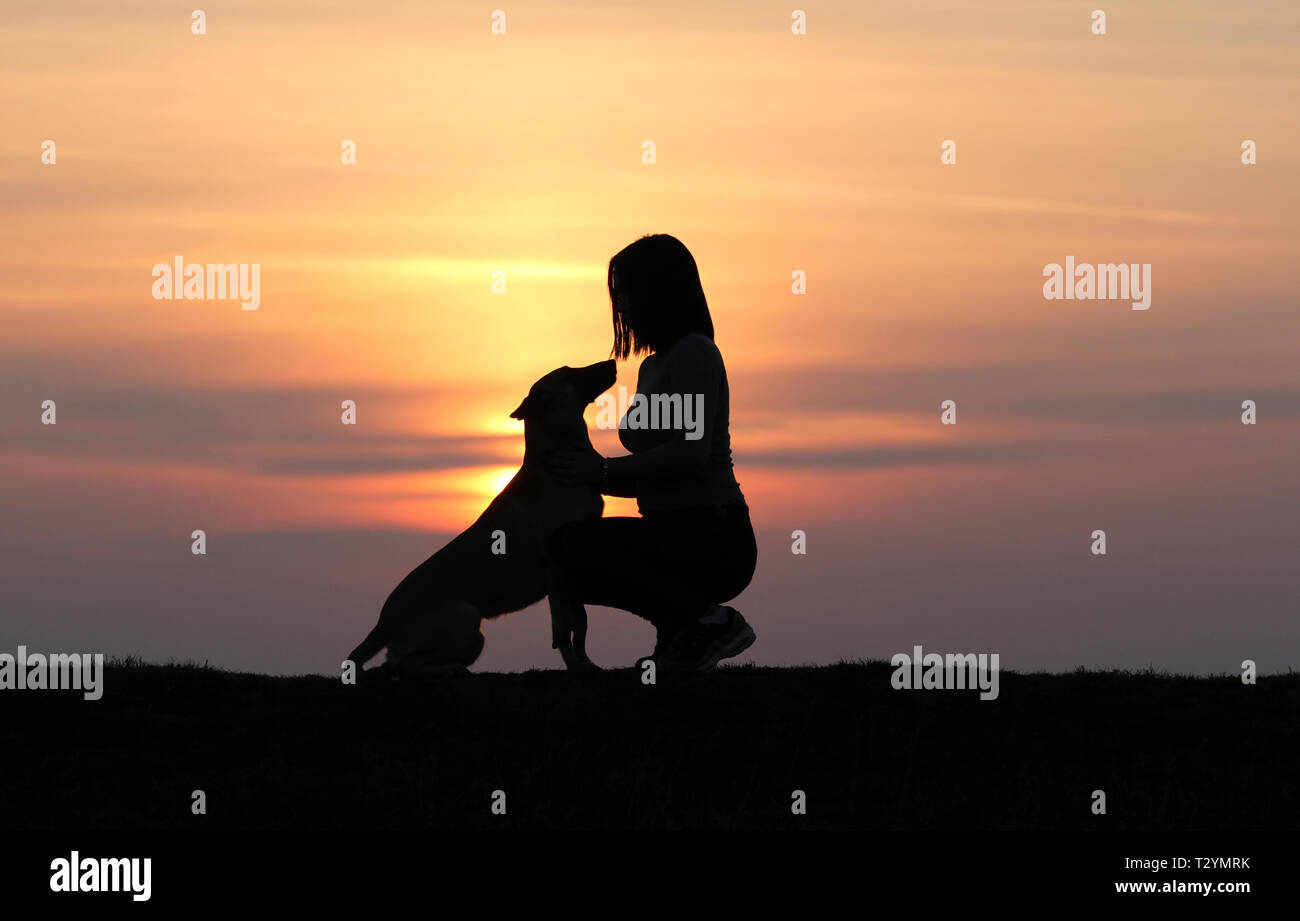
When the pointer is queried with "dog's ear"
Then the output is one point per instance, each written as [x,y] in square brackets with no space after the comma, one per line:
[524,408]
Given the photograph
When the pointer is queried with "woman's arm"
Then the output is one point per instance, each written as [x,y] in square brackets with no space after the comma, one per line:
[625,488]
[694,367]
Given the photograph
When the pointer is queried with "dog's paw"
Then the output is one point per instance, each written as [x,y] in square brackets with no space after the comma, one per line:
[382,672]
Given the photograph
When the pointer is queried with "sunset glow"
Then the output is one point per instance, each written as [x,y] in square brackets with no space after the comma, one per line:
[521,154]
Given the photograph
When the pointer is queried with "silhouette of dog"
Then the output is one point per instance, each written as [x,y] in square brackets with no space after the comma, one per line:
[432,621]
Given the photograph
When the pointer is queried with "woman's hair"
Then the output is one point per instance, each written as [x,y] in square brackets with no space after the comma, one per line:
[656,296]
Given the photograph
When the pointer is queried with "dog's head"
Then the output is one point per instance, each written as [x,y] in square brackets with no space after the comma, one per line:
[562,395]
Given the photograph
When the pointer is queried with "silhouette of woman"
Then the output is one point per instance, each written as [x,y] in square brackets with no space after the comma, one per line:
[692,548]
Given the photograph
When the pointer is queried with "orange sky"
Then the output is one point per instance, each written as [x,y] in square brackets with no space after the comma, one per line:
[522,153]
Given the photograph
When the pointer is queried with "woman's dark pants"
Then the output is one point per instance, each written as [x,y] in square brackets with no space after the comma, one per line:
[668,567]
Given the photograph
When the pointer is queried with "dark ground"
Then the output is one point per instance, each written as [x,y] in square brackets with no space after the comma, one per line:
[717,751]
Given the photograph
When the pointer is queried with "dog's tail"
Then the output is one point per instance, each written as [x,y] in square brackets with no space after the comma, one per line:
[371,645]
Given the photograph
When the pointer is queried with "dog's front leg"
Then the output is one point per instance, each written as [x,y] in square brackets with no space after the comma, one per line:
[561,633]
[569,634]
[562,629]
[580,641]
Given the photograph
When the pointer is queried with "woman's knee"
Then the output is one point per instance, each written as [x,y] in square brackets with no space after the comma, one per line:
[736,565]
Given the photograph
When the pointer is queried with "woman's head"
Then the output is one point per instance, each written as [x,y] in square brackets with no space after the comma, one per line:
[656,296]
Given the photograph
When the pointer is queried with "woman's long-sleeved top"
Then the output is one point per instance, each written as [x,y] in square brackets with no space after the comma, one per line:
[676,427]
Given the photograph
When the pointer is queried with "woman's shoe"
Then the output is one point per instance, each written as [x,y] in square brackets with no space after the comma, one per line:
[699,647]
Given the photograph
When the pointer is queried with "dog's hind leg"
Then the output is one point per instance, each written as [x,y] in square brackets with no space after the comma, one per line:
[449,636]
[422,666]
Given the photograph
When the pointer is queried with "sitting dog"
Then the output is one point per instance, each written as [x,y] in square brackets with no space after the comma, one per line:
[431,622]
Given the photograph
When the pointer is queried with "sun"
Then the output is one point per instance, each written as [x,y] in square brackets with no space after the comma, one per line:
[495,479]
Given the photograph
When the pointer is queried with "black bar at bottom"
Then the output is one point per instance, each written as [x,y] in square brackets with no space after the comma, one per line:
[333,869]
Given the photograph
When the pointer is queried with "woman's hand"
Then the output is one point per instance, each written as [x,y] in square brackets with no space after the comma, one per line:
[585,466]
